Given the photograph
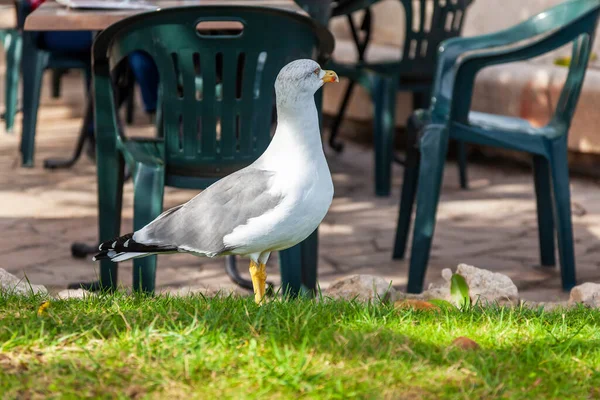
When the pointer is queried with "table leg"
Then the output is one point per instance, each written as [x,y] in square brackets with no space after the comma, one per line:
[83,136]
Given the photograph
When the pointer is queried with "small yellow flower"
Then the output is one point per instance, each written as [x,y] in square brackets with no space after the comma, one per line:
[43,307]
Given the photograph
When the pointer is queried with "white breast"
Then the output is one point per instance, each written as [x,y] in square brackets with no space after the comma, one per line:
[303,180]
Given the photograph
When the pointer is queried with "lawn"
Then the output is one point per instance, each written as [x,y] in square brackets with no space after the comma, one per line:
[119,346]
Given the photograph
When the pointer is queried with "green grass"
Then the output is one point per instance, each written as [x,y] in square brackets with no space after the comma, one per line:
[118,346]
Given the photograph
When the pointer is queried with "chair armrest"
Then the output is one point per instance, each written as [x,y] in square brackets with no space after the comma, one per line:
[147,151]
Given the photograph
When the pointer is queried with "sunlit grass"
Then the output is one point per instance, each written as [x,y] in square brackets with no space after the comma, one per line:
[119,346]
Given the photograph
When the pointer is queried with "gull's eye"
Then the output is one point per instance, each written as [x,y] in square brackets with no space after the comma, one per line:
[317,71]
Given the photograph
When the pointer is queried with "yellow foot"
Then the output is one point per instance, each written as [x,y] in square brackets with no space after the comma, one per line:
[258,272]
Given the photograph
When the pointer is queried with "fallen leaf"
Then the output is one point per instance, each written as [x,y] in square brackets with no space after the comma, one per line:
[443,304]
[465,343]
[415,305]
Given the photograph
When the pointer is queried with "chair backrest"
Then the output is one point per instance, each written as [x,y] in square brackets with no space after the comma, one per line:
[427,24]
[573,21]
[216,85]
[582,48]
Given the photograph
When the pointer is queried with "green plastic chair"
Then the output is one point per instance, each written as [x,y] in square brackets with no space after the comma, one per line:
[319,10]
[449,117]
[12,42]
[199,90]
[36,60]
[413,71]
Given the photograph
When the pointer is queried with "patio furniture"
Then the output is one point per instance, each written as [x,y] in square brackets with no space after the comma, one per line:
[51,16]
[211,126]
[320,10]
[384,70]
[12,43]
[36,59]
[11,40]
[449,116]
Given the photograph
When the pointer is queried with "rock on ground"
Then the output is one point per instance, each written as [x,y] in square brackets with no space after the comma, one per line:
[11,284]
[547,305]
[362,288]
[587,293]
[484,285]
[74,294]
[194,290]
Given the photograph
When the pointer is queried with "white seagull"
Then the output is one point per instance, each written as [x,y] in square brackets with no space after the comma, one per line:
[271,205]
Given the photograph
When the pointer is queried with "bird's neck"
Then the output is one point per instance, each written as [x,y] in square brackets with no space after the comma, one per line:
[297,138]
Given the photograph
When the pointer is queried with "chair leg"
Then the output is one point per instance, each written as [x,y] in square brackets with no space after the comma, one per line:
[130,104]
[434,148]
[87,75]
[55,82]
[310,262]
[14,47]
[384,99]
[290,266]
[298,266]
[409,188]
[543,196]
[335,126]
[559,168]
[234,274]
[421,100]
[462,164]
[149,189]
[110,171]
[34,63]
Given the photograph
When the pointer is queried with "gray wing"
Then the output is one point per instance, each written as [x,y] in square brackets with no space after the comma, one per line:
[203,222]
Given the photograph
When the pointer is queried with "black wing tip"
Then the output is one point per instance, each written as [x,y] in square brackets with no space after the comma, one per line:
[103,255]
[116,242]
[126,244]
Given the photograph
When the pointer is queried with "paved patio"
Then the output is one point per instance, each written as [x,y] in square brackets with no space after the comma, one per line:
[491,226]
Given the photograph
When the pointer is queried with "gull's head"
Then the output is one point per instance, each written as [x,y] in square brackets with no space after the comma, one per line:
[302,78]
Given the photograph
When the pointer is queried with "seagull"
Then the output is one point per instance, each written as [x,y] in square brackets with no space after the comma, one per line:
[271,205]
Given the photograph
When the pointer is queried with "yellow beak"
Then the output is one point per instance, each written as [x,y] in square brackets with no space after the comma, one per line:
[330,76]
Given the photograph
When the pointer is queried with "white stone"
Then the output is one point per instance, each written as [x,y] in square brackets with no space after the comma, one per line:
[547,305]
[447,274]
[361,288]
[487,285]
[194,290]
[587,293]
[11,284]
[74,294]
[484,285]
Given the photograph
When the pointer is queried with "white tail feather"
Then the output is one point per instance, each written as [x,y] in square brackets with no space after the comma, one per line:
[127,256]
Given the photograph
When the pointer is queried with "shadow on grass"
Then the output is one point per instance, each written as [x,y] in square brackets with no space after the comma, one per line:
[544,354]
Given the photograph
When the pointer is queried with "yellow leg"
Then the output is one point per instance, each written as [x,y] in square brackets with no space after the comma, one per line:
[258,272]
